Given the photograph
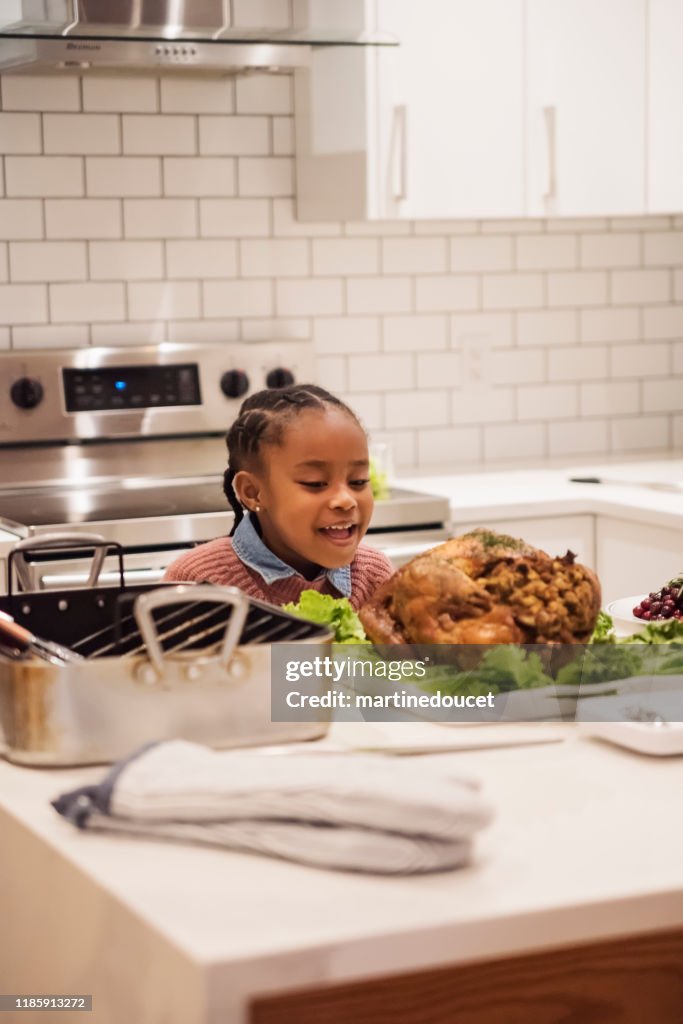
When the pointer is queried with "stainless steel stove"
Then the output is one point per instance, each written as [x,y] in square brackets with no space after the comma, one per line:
[128,444]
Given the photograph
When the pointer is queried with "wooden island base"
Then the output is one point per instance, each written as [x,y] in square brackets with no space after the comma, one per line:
[638,980]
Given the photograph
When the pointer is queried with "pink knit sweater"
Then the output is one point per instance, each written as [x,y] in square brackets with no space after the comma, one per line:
[217,562]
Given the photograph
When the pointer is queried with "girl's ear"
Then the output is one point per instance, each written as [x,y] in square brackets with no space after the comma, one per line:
[247,489]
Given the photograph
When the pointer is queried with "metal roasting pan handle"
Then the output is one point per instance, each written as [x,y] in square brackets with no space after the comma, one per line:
[60,539]
[146,603]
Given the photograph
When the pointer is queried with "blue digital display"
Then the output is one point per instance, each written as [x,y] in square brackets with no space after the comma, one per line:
[120,385]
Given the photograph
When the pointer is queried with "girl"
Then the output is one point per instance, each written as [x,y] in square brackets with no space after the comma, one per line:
[298,464]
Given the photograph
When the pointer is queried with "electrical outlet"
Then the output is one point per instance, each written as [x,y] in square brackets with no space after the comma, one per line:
[475,348]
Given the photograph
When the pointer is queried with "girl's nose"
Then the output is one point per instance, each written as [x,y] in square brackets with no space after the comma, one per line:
[343,497]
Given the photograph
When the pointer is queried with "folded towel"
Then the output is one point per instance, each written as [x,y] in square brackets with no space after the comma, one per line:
[360,813]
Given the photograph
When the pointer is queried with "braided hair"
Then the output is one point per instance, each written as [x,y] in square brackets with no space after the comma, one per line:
[262,419]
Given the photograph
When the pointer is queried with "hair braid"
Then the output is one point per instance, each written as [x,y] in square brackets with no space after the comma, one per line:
[262,420]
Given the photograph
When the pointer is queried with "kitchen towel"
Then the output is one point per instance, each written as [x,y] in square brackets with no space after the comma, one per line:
[360,813]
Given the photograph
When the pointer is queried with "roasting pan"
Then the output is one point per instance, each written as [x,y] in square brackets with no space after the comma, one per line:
[187,661]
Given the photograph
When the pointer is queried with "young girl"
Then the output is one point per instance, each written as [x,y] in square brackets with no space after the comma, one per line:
[298,482]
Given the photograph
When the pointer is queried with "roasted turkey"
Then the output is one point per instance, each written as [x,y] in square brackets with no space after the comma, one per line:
[485,588]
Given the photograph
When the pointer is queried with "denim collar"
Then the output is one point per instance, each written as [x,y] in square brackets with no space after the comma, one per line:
[250,549]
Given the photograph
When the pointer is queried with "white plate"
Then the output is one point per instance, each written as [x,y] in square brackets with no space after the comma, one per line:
[611,718]
[621,611]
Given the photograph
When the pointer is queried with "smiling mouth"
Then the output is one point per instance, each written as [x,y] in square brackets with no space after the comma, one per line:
[340,534]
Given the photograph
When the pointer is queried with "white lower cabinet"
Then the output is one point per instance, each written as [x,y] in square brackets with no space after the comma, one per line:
[635,558]
[554,534]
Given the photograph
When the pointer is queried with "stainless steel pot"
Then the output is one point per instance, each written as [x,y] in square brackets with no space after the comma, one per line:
[189,661]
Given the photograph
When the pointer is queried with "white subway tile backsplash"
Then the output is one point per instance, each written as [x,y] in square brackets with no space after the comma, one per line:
[403,446]
[274,258]
[286,225]
[397,372]
[677,438]
[678,285]
[159,134]
[584,288]
[414,255]
[4,261]
[439,369]
[201,259]
[164,300]
[483,405]
[418,408]
[547,327]
[449,446]
[516,366]
[639,433]
[81,133]
[487,329]
[87,301]
[21,218]
[234,136]
[446,292]
[5,337]
[369,408]
[199,176]
[640,223]
[132,94]
[348,334]
[265,176]
[48,261]
[511,226]
[663,395]
[578,437]
[237,298]
[379,295]
[678,358]
[234,218]
[548,402]
[263,94]
[41,92]
[376,228]
[576,224]
[126,261]
[50,336]
[283,136]
[20,133]
[160,218]
[345,256]
[609,398]
[83,218]
[123,176]
[514,441]
[481,253]
[266,328]
[446,227]
[196,332]
[331,373]
[663,322]
[546,252]
[196,95]
[43,176]
[412,333]
[512,291]
[610,250]
[599,325]
[629,286]
[309,298]
[578,363]
[24,303]
[151,332]
[651,360]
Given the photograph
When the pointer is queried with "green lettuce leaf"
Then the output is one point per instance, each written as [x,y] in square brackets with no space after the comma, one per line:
[335,612]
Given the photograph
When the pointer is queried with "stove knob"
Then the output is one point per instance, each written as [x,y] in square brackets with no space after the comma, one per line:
[234,383]
[26,393]
[279,378]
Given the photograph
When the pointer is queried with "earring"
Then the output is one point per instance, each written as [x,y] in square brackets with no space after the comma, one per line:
[257,508]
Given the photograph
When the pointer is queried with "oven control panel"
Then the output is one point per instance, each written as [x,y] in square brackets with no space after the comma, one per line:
[165,390]
[130,387]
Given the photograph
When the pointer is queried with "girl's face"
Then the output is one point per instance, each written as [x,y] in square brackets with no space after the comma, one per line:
[313,491]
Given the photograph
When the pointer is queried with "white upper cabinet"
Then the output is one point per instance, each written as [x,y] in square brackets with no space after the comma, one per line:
[586,107]
[665,106]
[451,109]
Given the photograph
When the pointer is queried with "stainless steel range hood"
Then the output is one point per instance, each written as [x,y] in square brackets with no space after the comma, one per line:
[152,35]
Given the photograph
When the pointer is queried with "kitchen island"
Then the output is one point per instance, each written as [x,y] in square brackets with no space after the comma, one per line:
[571,909]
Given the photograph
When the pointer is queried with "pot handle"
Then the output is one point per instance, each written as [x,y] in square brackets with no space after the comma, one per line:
[63,539]
[146,603]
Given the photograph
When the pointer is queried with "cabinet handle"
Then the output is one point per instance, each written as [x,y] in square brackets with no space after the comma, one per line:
[401,151]
[549,120]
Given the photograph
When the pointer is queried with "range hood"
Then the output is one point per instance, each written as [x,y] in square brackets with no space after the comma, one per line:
[154,36]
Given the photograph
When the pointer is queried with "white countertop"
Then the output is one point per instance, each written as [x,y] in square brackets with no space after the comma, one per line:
[547,491]
[587,843]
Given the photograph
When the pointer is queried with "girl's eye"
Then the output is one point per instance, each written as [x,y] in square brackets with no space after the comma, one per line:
[315,485]
[360,483]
